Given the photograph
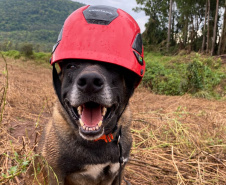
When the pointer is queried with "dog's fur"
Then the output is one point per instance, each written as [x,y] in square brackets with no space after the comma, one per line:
[75,155]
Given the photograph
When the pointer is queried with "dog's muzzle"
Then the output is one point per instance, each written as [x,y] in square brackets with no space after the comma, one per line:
[92,108]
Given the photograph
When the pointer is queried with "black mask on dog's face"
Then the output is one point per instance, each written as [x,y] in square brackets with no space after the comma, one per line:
[94,94]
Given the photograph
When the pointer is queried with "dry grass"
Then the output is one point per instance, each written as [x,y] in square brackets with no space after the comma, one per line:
[28,107]
[177,140]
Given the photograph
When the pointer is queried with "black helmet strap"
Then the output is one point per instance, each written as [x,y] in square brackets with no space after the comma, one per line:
[56,83]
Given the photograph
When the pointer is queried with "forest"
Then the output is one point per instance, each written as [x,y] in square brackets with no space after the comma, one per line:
[189,25]
[36,22]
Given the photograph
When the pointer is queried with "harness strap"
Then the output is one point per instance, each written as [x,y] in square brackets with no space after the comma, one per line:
[120,162]
[121,158]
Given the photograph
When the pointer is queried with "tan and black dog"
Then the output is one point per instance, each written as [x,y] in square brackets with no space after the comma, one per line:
[88,141]
[90,120]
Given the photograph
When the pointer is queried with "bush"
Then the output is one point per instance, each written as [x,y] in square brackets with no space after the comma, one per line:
[184,74]
[195,75]
[163,80]
[27,50]
[42,57]
[12,53]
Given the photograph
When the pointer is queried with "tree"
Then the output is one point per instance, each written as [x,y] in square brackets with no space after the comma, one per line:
[222,44]
[215,28]
[204,29]
[169,25]
[156,30]
[208,27]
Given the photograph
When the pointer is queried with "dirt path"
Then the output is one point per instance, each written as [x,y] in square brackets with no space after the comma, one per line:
[157,121]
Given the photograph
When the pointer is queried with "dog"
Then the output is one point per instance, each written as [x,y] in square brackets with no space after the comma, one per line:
[88,139]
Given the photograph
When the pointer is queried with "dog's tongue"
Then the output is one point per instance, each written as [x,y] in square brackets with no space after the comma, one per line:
[91,115]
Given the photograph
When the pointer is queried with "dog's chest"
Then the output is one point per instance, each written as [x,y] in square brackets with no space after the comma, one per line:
[95,172]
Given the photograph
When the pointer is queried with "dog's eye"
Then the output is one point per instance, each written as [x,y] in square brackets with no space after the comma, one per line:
[71,66]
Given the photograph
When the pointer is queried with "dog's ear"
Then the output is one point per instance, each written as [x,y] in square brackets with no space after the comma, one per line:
[131,81]
[57,82]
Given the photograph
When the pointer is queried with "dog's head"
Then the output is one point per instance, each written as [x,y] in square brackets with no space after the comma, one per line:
[94,95]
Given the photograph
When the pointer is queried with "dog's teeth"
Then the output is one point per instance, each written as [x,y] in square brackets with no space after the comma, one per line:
[97,128]
[90,129]
[84,127]
[87,128]
[104,110]
[81,122]
[93,128]
[100,123]
[79,110]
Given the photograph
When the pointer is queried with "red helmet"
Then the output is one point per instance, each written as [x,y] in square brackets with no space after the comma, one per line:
[101,33]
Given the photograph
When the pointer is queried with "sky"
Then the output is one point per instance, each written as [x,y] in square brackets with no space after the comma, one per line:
[124,5]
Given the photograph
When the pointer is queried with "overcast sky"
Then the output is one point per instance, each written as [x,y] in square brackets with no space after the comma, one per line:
[124,5]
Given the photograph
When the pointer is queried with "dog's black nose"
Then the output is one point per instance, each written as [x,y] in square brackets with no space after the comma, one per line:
[90,82]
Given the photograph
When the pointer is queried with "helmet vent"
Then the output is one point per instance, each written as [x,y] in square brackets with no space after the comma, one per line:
[137,44]
[58,40]
[100,14]
[60,35]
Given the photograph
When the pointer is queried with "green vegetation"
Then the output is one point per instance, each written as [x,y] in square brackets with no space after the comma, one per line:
[38,57]
[37,22]
[21,163]
[201,76]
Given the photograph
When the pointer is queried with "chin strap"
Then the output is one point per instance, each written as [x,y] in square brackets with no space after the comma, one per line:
[56,83]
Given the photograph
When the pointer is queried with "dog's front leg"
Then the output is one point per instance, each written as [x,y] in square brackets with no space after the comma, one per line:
[53,177]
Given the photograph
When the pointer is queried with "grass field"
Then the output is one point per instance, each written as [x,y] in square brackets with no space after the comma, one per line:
[177,140]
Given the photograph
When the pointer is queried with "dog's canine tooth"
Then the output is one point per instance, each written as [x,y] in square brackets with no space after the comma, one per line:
[79,110]
[99,124]
[81,122]
[104,110]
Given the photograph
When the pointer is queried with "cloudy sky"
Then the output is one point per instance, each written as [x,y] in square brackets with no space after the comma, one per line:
[124,5]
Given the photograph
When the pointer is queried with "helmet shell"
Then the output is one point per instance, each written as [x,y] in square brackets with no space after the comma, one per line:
[101,33]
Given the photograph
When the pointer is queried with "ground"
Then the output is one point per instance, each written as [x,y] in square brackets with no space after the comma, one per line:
[176,139]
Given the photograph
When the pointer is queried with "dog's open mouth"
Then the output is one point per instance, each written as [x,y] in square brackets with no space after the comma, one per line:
[91,117]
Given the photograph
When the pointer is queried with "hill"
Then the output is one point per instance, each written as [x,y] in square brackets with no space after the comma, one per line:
[33,21]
